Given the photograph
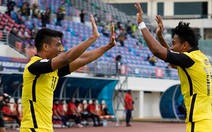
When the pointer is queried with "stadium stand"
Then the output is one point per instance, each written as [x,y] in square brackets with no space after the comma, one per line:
[134,58]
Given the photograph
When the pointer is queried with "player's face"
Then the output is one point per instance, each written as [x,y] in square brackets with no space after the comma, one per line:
[55,47]
[177,46]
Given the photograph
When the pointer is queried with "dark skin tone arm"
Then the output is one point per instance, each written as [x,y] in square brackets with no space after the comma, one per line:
[160,36]
[159,32]
[155,47]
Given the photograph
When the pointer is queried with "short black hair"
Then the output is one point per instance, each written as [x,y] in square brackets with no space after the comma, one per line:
[45,36]
[187,33]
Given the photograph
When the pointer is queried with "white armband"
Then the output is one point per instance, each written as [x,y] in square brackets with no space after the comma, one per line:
[141,25]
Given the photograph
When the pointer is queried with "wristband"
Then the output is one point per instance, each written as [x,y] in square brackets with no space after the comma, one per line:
[141,25]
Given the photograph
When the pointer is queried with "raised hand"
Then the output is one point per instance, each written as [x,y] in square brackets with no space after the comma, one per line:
[160,25]
[159,32]
[139,14]
[112,35]
[95,32]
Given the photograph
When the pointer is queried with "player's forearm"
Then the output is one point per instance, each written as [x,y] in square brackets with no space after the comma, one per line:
[162,41]
[78,50]
[95,54]
[153,44]
[72,54]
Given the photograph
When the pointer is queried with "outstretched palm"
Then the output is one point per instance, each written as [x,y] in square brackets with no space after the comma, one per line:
[160,24]
[95,32]
[112,37]
[139,14]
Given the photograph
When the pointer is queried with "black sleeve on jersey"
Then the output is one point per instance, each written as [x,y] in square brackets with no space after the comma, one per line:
[40,67]
[63,71]
[179,59]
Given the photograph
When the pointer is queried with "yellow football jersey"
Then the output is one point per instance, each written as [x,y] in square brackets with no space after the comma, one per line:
[196,87]
[39,83]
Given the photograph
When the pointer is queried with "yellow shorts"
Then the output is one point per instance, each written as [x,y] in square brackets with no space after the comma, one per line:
[199,126]
[35,130]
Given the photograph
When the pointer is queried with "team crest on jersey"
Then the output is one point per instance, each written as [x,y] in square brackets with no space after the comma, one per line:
[44,60]
[206,61]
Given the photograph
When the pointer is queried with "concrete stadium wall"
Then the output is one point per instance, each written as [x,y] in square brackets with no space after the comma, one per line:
[146,95]
[7,51]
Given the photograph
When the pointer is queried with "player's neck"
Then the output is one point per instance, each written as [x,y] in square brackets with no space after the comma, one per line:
[42,55]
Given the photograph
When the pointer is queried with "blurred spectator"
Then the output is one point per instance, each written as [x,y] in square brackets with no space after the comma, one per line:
[128,104]
[105,32]
[30,50]
[128,27]
[17,17]
[133,27]
[97,19]
[148,57]
[61,111]
[35,11]
[118,63]
[119,26]
[25,10]
[33,30]
[10,7]
[152,60]
[6,111]
[73,113]
[61,12]
[34,2]
[27,13]
[20,33]
[58,113]
[82,110]
[26,34]
[168,71]
[82,16]
[105,112]
[121,37]
[14,31]
[94,114]
[45,17]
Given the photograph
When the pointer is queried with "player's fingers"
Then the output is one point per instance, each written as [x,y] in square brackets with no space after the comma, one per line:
[113,40]
[138,7]
[160,19]
[156,20]
[92,19]
[111,31]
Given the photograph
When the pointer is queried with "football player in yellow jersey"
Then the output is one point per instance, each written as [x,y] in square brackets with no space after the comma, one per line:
[194,70]
[41,74]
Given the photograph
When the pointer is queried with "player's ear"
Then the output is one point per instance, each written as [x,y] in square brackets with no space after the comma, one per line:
[45,46]
[186,45]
